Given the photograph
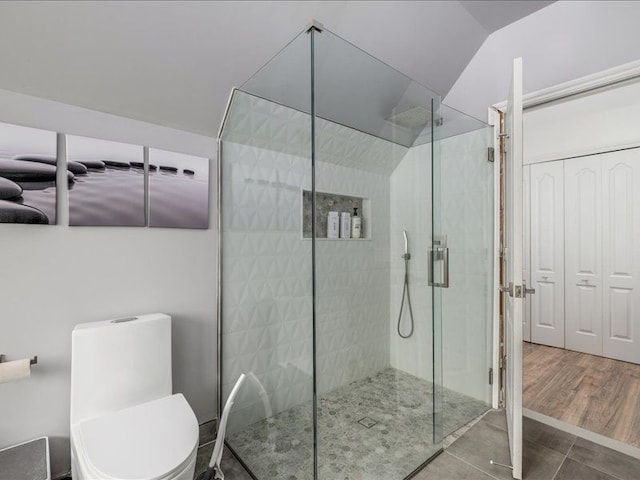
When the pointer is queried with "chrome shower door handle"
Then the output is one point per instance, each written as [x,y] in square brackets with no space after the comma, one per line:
[445,276]
[435,255]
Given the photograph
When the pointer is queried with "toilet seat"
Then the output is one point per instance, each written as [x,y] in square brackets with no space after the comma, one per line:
[152,441]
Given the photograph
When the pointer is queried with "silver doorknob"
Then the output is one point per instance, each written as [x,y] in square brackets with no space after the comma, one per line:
[526,290]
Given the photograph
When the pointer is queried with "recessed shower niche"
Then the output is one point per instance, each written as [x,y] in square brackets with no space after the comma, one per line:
[313,322]
[333,202]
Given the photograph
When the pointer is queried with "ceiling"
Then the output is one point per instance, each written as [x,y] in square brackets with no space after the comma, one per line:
[495,14]
[175,63]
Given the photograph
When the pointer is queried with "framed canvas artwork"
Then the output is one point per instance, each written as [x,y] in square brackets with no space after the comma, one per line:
[28,166]
[178,190]
[111,192]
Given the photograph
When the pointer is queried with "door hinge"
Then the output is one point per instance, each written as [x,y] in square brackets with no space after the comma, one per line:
[491,376]
[491,154]
[507,289]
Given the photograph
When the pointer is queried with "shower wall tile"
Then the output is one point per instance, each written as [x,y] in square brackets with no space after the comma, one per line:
[267,271]
[353,285]
[259,123]
[266,282]
[410,211]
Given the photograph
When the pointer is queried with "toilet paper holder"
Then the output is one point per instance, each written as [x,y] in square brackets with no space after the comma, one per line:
[33,360]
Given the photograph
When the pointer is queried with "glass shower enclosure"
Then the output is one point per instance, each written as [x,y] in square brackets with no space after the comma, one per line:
[363,349]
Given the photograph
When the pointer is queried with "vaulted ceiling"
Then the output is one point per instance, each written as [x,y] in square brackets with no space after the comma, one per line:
[174,63]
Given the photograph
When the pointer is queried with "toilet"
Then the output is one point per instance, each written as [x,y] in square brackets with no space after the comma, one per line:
[126,423]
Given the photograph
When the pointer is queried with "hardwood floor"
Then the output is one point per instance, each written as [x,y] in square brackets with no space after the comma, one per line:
[595,393]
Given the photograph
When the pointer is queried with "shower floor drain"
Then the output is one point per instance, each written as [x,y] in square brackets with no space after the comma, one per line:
[367,422]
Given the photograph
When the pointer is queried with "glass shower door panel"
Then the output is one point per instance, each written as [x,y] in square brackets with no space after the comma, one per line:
[463,232]
[266,271]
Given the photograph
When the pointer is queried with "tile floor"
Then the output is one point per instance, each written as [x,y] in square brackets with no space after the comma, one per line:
[549,454]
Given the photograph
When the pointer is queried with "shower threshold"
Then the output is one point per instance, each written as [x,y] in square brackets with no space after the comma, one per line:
[399,443]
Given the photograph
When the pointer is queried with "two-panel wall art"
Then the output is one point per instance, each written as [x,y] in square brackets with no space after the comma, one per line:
[105,179]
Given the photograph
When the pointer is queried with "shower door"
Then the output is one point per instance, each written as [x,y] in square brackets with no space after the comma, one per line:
[461,267]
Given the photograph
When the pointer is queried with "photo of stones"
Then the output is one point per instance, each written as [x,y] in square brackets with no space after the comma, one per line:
[27,175]
[111,191]
[178,190]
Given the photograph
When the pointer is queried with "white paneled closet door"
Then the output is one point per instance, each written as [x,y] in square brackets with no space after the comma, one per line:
[621,254]
[583,258]
[547,253]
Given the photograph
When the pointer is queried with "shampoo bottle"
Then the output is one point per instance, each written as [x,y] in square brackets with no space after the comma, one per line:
[345,225]
[333,225]
[356,224]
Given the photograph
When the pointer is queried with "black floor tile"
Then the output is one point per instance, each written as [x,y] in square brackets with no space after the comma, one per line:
[547,436]
[539,462]
[482,443]
[605,460]
[485,442]
[497,418]
[572,470]
[230,467]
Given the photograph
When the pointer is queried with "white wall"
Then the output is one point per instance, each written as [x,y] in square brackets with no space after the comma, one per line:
[584,124]
[564,41]
[53,277]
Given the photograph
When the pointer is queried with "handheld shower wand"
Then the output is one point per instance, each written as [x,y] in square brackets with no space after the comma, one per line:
[406,244]
[405,288]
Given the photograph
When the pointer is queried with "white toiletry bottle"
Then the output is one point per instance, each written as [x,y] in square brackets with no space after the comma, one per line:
[345,225]
[356,224]
[333,225]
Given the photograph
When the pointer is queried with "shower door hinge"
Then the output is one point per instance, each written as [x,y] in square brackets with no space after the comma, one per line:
[491,376]
[491,154]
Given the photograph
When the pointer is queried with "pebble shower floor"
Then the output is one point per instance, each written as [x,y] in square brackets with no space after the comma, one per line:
[281,447]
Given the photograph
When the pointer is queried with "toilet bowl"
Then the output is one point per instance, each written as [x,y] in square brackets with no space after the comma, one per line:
[125,422]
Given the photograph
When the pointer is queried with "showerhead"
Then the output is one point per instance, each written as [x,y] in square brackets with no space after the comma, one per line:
[415,118]
[406,242]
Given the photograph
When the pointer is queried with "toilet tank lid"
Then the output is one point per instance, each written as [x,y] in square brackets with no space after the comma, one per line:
[107,323]
[145,441]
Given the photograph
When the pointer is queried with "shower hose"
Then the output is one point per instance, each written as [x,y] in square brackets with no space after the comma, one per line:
[405,293]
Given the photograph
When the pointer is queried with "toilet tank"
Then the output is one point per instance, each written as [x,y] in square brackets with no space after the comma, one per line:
[119,363]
